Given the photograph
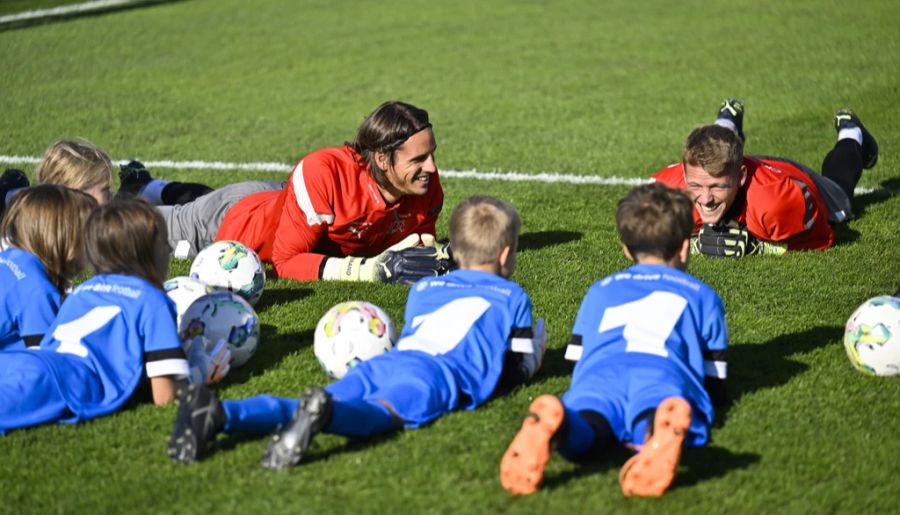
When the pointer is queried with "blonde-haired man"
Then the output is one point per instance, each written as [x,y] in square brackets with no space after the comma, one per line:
[466,334]
[766,205]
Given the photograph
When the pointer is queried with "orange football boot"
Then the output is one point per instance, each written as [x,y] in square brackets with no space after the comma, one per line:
[650,472]
[522,467]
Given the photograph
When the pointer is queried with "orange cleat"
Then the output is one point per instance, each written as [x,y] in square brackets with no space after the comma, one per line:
[650,472]
[522,467]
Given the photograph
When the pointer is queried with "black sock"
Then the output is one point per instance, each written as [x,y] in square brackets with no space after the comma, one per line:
[603,434]
[844,165]
[177,193]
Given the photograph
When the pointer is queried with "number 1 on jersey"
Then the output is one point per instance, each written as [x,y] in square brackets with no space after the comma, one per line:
[648,321]
[71,333]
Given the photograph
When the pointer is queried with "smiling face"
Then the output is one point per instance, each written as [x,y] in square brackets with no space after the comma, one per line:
[712,196]
[412,169]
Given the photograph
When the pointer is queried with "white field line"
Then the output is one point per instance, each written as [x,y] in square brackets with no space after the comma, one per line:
[61,10]
[544,177]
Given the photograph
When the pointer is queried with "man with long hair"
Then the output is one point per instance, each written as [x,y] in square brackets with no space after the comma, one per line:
[364,211]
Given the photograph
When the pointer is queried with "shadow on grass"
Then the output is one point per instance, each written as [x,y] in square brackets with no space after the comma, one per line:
[610,459]
[541,239]
[314,454]
[100,11]
[351,445]
[555,364]
[280,296]
[758,366]
[701,464]
[271,351]
[889,188]
[704,463]
[844,235]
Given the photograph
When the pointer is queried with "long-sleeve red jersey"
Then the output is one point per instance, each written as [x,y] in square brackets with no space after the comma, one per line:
[778,202]
[331,207]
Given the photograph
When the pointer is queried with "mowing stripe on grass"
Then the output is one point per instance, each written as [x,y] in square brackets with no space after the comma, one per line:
[62,10]
[544,177]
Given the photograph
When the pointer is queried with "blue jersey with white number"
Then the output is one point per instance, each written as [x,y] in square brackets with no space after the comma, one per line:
[28,300]
[466,321]
[451,351]
[659,322]
[112,333]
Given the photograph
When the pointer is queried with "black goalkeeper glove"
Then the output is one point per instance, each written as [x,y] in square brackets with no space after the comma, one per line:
[405,262]
[409,265]
[732,240]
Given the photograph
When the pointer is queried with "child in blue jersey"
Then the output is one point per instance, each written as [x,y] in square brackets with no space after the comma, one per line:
[463,332]
[650,344]
[43,230]
[114,337]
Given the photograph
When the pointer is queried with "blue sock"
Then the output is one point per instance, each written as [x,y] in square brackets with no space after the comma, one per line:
[258,415]
[578,437]
[356,417]
[641,427]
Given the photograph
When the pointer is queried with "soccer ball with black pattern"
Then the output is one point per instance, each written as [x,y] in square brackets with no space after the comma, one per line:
[349,333]
[232,266]
[872,337]
[223,315]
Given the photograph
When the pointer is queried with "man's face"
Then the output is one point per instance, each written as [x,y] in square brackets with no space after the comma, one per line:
[712,196]
[413,166]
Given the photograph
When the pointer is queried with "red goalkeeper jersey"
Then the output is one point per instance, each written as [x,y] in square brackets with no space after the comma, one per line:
[779,202]
[331,207]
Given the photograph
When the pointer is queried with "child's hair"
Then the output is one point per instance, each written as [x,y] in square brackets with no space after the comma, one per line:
[76,164]
[48,221]
[122,238]
[716,149]
[654,220]
[480,227]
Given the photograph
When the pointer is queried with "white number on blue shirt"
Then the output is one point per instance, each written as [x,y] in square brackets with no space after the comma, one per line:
[71,333]
[648,321]
[441,330]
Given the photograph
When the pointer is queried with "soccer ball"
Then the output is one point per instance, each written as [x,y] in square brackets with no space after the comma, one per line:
[223,315]
[351,332]
[872,337]
[183,291]
[232,266]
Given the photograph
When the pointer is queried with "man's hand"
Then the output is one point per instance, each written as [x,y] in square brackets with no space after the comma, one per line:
[405,262]
[732,240]
[208,367]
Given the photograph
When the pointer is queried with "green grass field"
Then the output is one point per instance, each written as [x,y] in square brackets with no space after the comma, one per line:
[575,87]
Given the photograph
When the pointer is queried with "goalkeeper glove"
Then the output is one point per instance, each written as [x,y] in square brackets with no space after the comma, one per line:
[531,353]
[444,252]
[402,263]
[732,240]
[208,367]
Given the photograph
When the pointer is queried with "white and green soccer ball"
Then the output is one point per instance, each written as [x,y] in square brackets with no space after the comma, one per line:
[232,266]
[349,333]
[183,291]
[872,337]
[223,315]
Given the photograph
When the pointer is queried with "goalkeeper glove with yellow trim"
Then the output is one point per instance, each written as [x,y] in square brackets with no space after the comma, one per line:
[404,262]
[732,240]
